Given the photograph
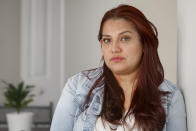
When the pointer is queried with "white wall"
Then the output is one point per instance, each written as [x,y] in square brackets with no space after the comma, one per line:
[82,20]
[9,42]
[186,57]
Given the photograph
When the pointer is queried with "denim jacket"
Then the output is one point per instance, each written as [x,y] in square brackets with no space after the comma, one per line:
[68,115]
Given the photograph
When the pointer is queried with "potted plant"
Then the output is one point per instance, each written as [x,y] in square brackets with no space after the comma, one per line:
[18,97]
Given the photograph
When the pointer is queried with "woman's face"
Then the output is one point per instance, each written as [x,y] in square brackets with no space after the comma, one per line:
[121,46]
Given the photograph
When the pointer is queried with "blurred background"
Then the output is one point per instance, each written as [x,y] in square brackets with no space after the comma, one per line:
[44,42]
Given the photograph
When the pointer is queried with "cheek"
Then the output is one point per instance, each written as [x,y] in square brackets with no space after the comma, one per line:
[134,53]
[105,55]
[105,52]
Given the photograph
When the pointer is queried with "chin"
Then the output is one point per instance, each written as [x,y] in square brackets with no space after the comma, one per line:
[118,70]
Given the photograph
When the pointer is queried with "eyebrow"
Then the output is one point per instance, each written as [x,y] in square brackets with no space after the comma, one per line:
[119,33]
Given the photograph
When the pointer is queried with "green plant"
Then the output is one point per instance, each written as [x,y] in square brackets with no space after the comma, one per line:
[18,96]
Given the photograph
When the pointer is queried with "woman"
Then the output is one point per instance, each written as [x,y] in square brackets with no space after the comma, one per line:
[129,91]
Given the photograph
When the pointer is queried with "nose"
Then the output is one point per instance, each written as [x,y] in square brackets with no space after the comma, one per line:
[115,47]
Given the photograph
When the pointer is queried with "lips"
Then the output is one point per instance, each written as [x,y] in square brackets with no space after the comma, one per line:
[116,59]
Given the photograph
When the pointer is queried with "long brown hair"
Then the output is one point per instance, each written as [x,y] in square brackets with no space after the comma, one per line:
[146,103]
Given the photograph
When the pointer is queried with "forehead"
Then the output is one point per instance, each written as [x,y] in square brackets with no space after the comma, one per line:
[112,26]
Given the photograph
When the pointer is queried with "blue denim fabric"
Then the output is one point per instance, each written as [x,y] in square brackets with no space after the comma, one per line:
[68,115]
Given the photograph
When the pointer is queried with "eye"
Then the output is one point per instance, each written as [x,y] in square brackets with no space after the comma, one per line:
[106,40]
[125,38]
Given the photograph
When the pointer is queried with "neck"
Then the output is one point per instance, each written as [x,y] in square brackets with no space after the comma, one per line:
[126,80]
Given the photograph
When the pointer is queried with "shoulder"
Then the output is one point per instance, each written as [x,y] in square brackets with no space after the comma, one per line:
[83,80]
[166,85]
[175,94]
[175,107]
